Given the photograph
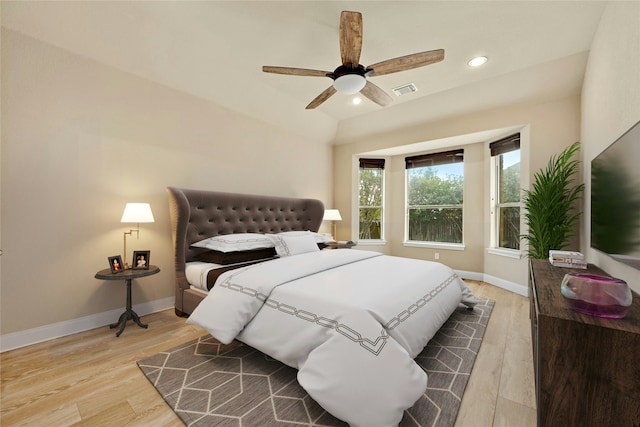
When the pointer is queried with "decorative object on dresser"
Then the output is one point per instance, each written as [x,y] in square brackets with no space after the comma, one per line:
[586,368]
[135,213]
[597,295]
[570,259]
[127,275]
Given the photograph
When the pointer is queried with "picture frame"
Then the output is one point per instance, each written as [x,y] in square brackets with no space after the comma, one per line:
[140,260]
[115,264]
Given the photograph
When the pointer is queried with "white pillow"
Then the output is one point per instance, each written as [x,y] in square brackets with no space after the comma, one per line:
[235,242]
[319,238]
[287,245]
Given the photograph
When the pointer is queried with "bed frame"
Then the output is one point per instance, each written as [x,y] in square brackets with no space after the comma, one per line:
[198,214]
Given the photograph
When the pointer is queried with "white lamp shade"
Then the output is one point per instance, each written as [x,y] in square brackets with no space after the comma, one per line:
[331,215]
[137,213]
[349,83]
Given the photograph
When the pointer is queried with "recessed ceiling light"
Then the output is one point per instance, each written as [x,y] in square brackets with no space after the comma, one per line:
[356,100]
[478,61]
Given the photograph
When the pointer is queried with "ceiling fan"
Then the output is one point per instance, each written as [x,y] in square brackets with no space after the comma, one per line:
[351,77]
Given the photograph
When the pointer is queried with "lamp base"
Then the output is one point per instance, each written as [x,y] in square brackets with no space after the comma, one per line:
[124,255]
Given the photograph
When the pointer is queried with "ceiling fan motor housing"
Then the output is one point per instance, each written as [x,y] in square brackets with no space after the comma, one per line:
[343,70]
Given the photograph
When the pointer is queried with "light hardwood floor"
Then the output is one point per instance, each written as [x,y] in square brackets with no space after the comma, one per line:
[91,378]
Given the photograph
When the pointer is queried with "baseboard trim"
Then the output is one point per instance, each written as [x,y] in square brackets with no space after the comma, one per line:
[68,327]
[495,281]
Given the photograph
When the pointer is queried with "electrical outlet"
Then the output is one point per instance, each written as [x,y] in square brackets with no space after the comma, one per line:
[437,255]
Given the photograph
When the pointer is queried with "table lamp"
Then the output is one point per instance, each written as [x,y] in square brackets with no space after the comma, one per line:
[332,215]
[135,213]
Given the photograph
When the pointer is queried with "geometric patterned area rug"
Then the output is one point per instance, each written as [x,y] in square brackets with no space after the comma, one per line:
[207,383]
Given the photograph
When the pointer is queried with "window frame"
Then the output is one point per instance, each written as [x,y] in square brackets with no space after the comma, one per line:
[378,164]
[433,160]
[497,150]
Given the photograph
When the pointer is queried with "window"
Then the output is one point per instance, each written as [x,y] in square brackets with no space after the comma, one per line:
[505,158]
[371,197]
[434,197]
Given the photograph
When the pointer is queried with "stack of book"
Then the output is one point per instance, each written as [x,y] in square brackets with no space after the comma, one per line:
[567,259]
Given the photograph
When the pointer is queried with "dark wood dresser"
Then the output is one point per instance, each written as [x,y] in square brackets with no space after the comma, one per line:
[587,369]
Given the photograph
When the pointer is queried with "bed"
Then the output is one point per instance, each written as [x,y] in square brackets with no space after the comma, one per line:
[350,321]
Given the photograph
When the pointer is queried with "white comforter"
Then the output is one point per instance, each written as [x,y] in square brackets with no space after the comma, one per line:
[350,321]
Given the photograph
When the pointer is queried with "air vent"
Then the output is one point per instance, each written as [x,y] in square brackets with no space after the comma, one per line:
[405,89]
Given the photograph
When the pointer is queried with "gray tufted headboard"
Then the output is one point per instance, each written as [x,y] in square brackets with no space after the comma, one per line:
[198,214]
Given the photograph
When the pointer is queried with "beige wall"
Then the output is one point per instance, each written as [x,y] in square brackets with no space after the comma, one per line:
[611,105]
[547,128]
[79,140]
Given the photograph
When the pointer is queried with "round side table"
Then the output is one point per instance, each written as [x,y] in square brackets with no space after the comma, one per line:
[127,276]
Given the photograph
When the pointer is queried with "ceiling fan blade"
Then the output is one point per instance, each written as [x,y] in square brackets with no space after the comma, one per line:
[350,38]
[295,71]
[406,62]
[376,94]
[321,98]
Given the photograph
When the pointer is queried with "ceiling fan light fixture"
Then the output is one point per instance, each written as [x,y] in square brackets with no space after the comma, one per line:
[349,83]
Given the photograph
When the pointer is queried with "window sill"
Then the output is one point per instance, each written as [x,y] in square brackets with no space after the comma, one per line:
[435,245]
[509,253]
[372,242]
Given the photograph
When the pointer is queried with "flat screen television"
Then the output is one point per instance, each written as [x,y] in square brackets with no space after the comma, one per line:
[615,199]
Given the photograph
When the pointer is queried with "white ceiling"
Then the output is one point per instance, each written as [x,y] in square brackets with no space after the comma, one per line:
[215,50]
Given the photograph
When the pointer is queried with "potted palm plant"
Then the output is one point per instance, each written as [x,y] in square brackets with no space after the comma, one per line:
[550,204]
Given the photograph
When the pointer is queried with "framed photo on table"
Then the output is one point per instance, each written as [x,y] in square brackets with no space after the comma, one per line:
[140,260]
[115,264]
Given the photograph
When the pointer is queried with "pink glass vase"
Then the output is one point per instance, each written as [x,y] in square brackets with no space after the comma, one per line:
[596,295]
